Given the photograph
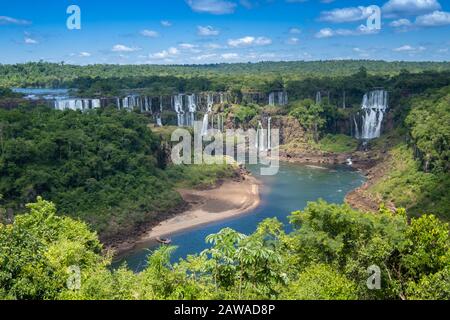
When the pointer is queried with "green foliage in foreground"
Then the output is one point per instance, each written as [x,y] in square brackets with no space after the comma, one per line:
[325,257]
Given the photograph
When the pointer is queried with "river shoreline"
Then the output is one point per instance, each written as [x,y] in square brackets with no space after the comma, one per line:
[229,199]
[232,198]
[371,164]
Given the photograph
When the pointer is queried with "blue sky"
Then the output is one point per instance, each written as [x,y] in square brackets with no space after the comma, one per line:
[210,31]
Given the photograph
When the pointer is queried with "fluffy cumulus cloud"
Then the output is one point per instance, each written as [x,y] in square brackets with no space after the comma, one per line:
[149,33]
[165,54]
[249,41]
[434,19]
[359,31]
[409,49]
[166,23]
[346,14]
[401,23]
[217,7]
[293,41]
[123,48]
[207,31]
[410,7]
[28,40]
[230,56]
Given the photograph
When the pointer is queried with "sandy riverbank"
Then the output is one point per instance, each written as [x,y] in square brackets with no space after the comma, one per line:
[230,199]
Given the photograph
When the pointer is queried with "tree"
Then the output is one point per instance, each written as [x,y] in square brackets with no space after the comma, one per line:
[320,282]
[310,116]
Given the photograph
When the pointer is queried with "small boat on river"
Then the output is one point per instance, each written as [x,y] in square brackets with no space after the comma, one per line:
[164,240]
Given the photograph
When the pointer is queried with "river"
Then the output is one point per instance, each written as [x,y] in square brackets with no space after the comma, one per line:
[290,190]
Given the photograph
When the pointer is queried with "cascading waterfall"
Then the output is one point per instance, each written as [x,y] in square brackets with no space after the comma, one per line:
[209,103]
[373,109]
[147,106]
[178,106]
[264,137]
[318,97]
[192,107]
[357,136]
[278,98]
[272,99]
[77,104]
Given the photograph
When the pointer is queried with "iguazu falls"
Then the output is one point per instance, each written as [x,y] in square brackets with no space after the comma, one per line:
[224,158]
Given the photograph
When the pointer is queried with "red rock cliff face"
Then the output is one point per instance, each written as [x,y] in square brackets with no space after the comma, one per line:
[290,129]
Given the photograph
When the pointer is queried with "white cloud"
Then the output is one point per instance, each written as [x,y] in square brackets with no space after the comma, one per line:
[359,31]
[409,48]
[28,40]
[293,41]
[123,48]
[212,46]
[249,41]
[295,31]
[165,54]
[437,18]
[230,56]
[207,31]
[149,33]
[410,7]
[212,6]
[187,46]
[9,20]
[204,57]
[84,54]
[346,14]
[325,33]
[166,23]
[400,23]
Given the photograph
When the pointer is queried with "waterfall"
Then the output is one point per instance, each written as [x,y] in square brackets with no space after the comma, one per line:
[209,104]
[318,97]
[357,136]
[210,101]
[76,104]
[261,141]
[278,98]
[264,137]
[178,106]
[205,125]
[374,106]
[272,99]
[192,107]
[158,121]
[96,104]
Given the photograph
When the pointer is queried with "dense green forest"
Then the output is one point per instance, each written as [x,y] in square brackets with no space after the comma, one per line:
[105,167]
[262,76]
[326,256]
